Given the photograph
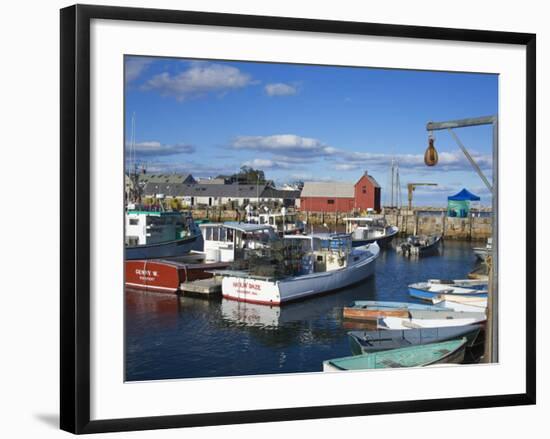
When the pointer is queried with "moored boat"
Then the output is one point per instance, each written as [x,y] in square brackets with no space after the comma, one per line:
[476,306]
[372,310]
[284,222]
[451,351]
[428,290]
[417,323]
[152,233]
[362,342]
[420,246]
[479,300]
[316,264]
[167,275]
[367,229]
[229,241]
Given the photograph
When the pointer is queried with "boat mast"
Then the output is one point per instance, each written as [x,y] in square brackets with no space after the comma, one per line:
[392,183]
[135,190]
[398,201]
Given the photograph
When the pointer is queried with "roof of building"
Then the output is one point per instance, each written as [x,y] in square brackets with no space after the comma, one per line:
[370,178]
[211,181]
[325,189]
[242,227]
[166,178]
[270,192]
[204,190]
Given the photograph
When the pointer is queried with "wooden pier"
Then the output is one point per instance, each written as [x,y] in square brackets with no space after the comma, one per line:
[204,287]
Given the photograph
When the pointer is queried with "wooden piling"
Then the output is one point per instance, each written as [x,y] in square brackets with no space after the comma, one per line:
[488,353]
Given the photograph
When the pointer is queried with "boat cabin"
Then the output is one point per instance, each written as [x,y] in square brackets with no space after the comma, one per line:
[287,223]
[144,226]
[226,242]
[322,252]
[365,227]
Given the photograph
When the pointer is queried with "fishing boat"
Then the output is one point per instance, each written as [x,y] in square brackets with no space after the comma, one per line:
[152,232]
[167,275]
[229,241]
[368,229]
[224,243]
[283,222]
[363,342]
[419,246]
[373,310]
[451,351]
[311,265]
[428,290]
[417,322]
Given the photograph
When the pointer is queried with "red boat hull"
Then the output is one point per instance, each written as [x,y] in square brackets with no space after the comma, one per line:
[164,275]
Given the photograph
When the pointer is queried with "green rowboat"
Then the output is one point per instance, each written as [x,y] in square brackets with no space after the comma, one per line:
[451,351]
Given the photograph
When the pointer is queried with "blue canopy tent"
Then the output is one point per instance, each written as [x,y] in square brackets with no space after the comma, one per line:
[458,205]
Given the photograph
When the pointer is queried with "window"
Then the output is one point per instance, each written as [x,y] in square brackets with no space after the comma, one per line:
[364,189]
[134,221]
[330,201]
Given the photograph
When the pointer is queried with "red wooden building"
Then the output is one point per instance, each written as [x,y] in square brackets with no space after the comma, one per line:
[341,197]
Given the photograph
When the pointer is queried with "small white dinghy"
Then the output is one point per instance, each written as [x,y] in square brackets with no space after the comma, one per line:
[479,306]
[455,299]
[412,323]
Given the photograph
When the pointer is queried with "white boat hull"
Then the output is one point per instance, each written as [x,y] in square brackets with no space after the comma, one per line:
[400,323]
[276,292]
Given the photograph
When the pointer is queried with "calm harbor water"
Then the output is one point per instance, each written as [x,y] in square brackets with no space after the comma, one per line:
[169,337]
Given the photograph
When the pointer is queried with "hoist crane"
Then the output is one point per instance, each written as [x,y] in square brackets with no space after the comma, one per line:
[412,186]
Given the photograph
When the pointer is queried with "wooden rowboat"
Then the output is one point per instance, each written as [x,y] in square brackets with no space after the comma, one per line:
[362,342]
[372,310]
[414,356]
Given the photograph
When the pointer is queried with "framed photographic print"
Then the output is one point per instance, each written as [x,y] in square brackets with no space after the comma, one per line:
[272,218]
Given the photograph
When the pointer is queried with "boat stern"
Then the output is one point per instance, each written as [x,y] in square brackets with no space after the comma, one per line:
[265,292]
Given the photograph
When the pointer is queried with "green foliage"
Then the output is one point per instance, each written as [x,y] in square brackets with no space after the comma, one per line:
[247,175]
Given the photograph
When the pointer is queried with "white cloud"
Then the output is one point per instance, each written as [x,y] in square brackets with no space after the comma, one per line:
[135,66]
[283,144]
[280,89]
[157,149]
[198,80]
[266,164]
[448,160]
[346,166]
[293,149]
[198,170]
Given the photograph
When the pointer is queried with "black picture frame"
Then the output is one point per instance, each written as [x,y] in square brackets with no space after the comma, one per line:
[75,217]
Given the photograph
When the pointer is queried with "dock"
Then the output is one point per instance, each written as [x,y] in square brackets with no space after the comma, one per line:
[204,287]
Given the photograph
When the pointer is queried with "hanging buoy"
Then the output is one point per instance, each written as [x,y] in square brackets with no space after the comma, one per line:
[430,156]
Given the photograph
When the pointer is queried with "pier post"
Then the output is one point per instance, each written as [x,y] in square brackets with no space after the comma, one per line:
[488,353]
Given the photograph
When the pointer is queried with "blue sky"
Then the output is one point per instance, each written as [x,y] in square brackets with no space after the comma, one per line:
[302,122]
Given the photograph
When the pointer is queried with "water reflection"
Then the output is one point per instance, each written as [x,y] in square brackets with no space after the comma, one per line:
[171,337]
